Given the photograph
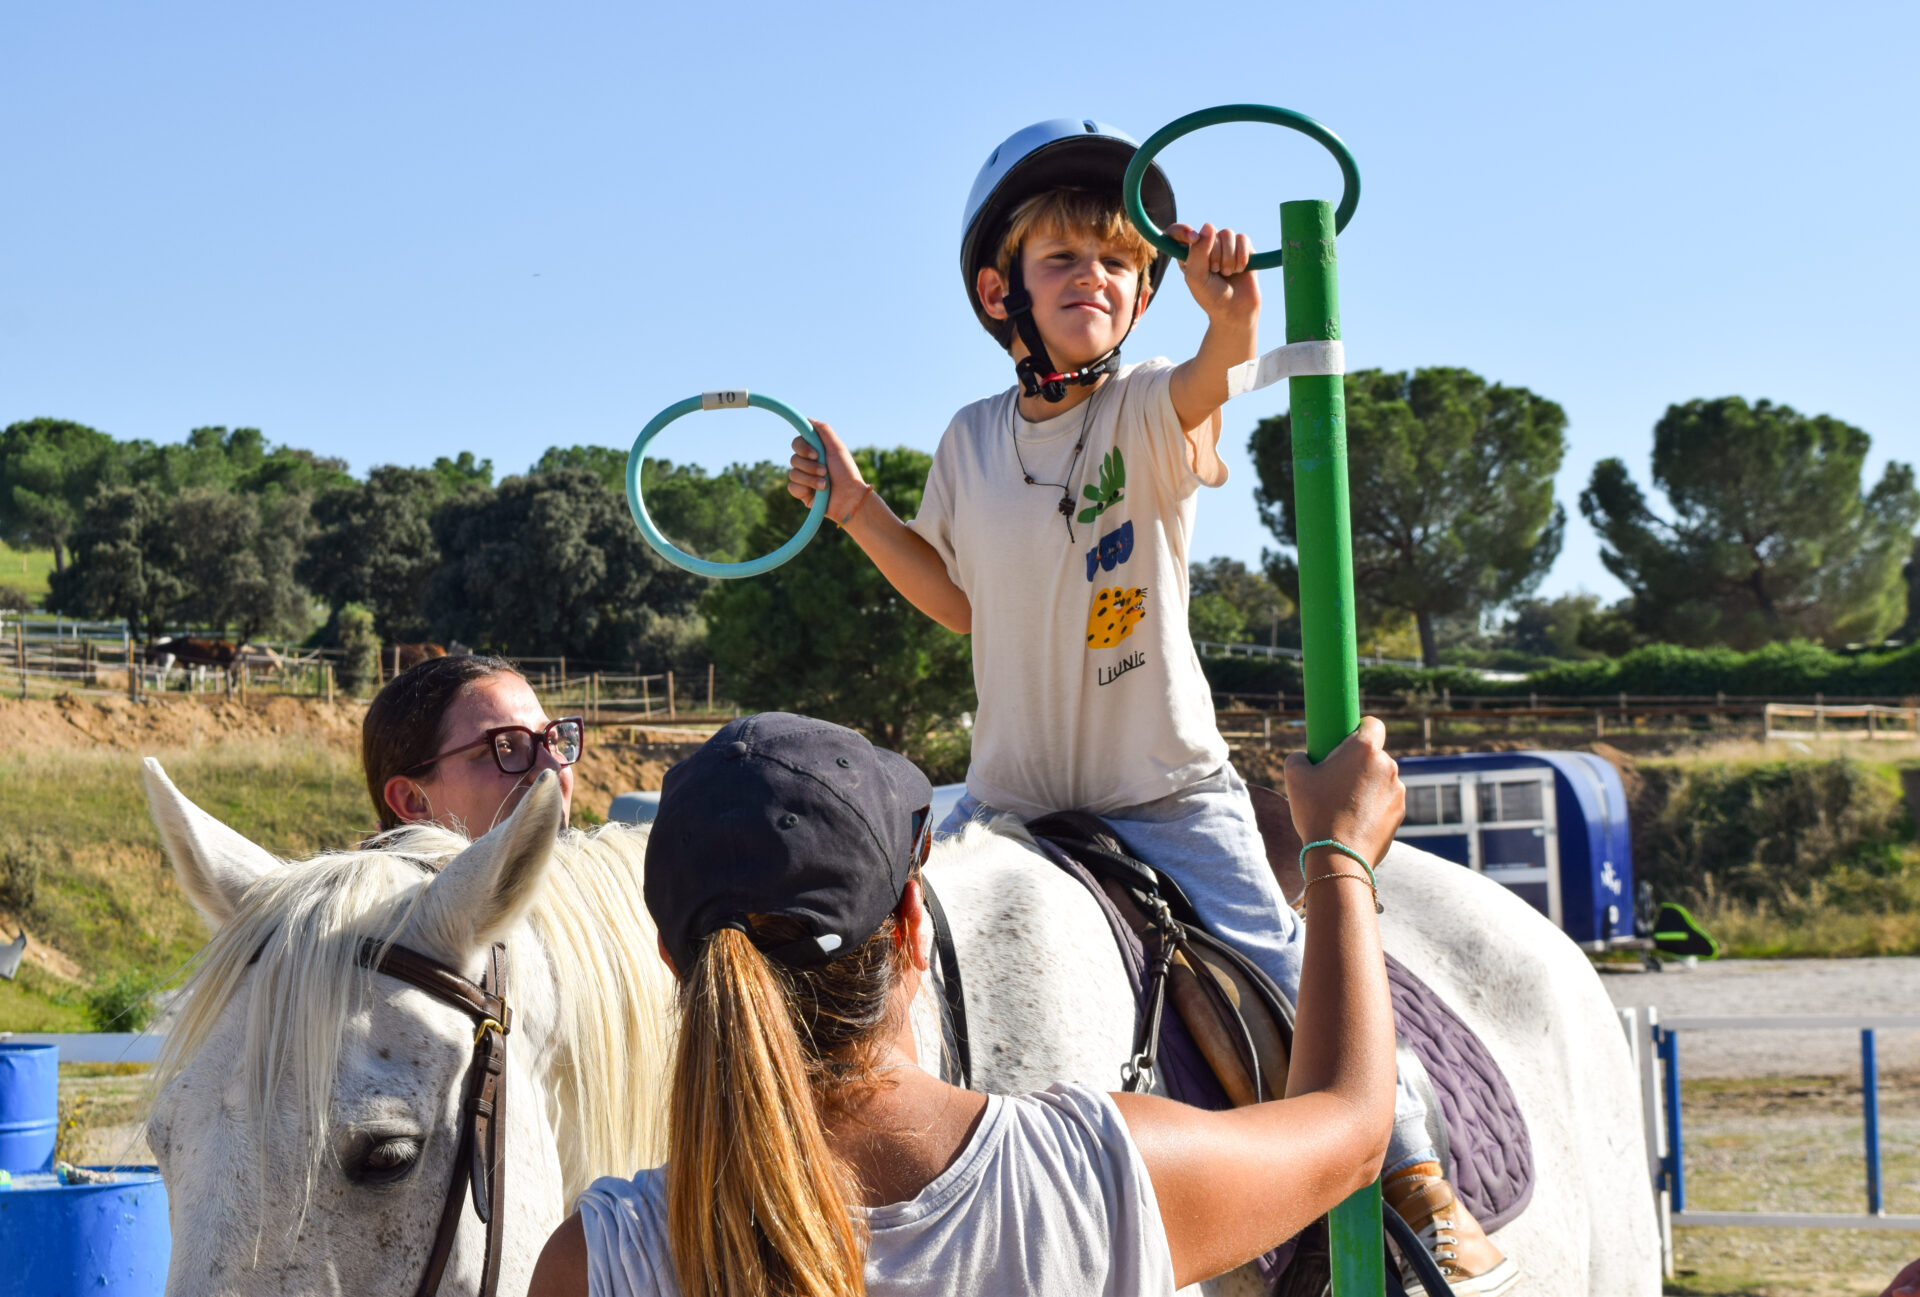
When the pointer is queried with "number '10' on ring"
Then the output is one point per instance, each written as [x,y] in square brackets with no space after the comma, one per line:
[732,399]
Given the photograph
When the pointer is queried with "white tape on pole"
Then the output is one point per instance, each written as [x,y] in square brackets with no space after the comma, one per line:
[1295,360]
[731,398]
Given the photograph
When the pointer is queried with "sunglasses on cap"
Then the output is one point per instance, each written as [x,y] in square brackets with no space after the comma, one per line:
[922,835]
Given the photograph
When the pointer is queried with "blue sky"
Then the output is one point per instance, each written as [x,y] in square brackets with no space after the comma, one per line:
[391,232]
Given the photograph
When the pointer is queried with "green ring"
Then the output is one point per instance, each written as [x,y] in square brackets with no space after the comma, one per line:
[703,566]
[1137,169]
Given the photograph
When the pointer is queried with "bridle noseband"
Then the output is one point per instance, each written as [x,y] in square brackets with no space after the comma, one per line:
[477,1161]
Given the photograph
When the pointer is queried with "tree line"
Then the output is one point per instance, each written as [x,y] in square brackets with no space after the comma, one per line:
[1767,533]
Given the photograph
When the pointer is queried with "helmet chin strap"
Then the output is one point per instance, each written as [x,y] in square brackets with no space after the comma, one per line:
[1038,377]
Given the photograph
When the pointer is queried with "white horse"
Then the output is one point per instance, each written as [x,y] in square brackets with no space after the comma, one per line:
[305,1117]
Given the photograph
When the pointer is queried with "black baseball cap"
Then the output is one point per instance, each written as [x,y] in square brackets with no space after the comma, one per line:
[784,815]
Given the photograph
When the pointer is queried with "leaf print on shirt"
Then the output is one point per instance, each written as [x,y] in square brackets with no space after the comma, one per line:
[1116,611]
[1113,481]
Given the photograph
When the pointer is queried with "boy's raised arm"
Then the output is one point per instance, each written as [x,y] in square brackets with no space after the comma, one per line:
[904,557]
[1217,275]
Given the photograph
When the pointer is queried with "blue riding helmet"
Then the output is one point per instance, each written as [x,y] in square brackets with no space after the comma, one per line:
[1047,155]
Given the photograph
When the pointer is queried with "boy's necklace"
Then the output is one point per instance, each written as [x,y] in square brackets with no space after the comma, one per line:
[1065,506]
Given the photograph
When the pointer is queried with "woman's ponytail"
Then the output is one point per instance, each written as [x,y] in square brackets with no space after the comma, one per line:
[757,1201]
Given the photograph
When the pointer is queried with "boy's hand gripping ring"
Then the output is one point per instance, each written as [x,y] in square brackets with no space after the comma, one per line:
[733,399]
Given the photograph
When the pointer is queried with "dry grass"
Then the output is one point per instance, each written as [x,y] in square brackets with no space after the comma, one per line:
[1794,1143]
[102,1109]
[1753,752]
[105,897]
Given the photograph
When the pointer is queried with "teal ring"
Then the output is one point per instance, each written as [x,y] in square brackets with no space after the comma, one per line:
[705,566]
[1137,170]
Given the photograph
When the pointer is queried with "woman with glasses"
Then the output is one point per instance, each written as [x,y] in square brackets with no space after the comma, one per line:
[457,741]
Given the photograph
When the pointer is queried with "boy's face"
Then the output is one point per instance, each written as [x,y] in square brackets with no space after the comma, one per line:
[1083,291]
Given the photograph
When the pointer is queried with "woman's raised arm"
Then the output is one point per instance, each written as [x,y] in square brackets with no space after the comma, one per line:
[1233,1184]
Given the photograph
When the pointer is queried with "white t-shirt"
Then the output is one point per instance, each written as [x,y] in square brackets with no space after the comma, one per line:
[1091,694]
[1049,1196]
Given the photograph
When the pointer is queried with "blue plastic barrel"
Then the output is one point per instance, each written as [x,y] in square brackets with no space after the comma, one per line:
[29,1106]
[106,1239]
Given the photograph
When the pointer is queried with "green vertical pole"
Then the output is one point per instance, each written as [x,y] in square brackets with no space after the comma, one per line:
[1327,635]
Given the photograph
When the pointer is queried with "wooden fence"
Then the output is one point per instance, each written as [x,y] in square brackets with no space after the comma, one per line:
[1268,717]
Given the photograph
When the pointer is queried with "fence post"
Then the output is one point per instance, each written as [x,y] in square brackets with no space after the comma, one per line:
[1645,1050]
[20,651]
[133,676]
[326,673]
[1669,1041]
[563,671]
[1870,1091]
[646,695]
[709,688]
[669,695]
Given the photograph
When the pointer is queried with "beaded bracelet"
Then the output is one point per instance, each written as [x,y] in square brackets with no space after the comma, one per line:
[842,522]
[1344,850]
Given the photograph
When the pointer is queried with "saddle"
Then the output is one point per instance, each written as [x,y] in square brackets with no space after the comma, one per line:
[1228,1041]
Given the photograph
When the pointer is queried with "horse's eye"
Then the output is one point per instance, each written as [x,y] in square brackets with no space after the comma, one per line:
[387,1161]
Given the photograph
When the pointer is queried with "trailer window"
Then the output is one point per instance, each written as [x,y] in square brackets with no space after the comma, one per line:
[1506,802]
[1433,804]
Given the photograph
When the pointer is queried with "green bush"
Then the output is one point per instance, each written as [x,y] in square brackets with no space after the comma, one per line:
[1794,669]
[20,867]
[360,646]
[122,1003]
[1769,833]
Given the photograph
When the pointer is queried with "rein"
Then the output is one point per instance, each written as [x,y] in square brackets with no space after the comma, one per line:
[477,1163]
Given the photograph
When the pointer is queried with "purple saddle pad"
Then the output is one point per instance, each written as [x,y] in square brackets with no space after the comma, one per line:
[1487,1135]
[1492,1153]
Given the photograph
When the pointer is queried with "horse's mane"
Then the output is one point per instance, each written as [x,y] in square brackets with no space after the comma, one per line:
[307,923]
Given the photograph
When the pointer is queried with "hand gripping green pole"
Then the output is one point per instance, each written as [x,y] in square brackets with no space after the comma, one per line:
[1325,533]
[1327,636]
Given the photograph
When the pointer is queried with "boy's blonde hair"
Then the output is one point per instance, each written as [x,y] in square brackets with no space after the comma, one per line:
[1063,211]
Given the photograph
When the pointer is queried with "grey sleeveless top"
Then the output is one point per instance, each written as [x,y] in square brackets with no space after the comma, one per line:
[1049,1196]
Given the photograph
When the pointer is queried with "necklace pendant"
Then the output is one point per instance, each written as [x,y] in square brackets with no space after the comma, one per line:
[1065,506]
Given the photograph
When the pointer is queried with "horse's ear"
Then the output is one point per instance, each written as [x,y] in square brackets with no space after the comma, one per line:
[486,889]
[214,864]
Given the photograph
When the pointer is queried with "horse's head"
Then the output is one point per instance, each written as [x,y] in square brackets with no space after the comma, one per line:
[306,1111]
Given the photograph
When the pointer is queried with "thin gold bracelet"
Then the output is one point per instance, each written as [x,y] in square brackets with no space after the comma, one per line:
[1377,907]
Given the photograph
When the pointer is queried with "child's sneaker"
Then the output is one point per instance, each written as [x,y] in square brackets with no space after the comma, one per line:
[1474,1267]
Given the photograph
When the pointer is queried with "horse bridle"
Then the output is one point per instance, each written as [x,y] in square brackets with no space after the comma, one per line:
[477,1161]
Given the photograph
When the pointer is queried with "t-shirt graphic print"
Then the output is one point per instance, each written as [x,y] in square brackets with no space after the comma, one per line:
[1091,695]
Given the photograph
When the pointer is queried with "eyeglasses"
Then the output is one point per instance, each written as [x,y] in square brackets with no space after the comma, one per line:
[515,747]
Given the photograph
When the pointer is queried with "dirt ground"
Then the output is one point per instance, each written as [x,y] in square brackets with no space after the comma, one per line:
[186,721]
[619,758]
[1760,987]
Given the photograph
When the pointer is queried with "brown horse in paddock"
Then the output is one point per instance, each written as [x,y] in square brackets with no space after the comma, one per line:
[403,656]
[195,651]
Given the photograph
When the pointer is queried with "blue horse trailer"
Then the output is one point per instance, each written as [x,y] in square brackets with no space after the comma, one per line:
[1550,826]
